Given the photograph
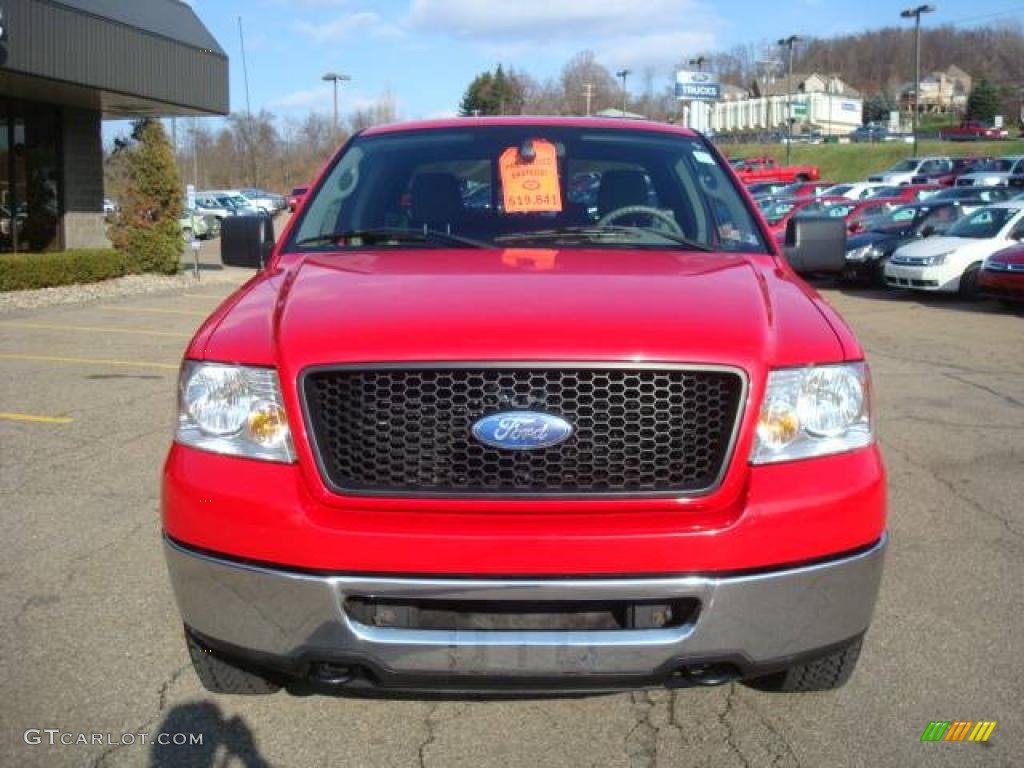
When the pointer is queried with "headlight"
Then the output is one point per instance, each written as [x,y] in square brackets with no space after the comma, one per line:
[933,261]
[233,409]
[814,412]
[863,253]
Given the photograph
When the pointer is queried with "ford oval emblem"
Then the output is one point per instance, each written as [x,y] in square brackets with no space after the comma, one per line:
[521,430]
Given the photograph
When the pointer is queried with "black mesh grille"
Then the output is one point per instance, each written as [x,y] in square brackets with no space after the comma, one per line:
[408,432]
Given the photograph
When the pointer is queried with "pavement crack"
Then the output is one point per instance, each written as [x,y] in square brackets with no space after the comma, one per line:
[431,725]
[951,488]
[1008,399]
[641,742]
[725,718]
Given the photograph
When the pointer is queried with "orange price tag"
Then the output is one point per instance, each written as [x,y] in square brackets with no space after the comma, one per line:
[531,186]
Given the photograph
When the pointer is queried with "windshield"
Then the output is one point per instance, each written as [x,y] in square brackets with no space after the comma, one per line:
[984,223]
[838,190]
[901,218]
[527,186]
[904,166]
[999,165]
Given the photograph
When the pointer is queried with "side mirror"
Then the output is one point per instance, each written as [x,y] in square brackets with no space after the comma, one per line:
[927,230]
[246,241]
[816,244]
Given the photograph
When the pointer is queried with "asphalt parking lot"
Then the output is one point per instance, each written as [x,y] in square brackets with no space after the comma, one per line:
[92,641]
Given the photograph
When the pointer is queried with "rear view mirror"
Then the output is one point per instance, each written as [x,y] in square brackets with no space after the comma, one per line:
[246,241]
[816,244]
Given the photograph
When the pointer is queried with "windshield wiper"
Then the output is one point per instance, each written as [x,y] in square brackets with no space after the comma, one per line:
[398,234]
[599,232]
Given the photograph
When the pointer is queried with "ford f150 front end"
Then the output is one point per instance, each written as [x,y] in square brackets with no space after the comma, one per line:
[522,404]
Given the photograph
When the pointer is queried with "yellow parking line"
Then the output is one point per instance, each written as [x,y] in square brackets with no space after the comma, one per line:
[39,419]
[154,311]
[91,329]
[90,361]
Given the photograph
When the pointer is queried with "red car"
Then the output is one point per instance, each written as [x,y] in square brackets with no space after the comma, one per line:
[756,169]
[296,197]
[973,130]
[531,446]
[907,193]
[805,189]
[1002,274]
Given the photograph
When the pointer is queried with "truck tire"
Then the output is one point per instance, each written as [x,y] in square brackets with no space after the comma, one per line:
[218,676]
[822,674]
[802,177]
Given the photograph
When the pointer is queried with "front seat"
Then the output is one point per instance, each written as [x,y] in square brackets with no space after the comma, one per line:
[620,189]
[436,201]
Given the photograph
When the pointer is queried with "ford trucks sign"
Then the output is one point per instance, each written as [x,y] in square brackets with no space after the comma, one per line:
[697,86]
[521,430]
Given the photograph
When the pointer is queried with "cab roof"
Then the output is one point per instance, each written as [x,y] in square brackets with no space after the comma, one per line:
[613,123]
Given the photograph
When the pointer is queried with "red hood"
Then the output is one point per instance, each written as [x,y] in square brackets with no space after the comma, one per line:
[447,305]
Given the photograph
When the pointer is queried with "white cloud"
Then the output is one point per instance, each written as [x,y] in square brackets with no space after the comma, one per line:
[344,26]
[637,33]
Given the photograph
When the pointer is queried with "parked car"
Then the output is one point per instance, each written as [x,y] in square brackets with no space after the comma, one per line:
[268,202]
[994,173]
[1002,275]
[777,211]
[754,169]
[805,189]
[908,193]
[870,133]
[973,130]
[194,226]
[209,205]
[905,170]
[857,190]
[238,204]
[961,165]
[763,189]
[952,262]
[296,197]
[540,449]
[861,215]
[868,252]
[986,194]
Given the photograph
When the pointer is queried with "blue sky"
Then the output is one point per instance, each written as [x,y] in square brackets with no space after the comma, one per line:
[425,51]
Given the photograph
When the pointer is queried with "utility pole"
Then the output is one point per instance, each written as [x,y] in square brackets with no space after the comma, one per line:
[915,14]
[589,90]
[624,73]
[248,110]
[789,42]
[334,77]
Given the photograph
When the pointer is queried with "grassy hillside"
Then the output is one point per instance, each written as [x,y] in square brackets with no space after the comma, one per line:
[853,162]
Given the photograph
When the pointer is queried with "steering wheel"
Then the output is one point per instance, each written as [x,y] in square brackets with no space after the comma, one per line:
[632,210]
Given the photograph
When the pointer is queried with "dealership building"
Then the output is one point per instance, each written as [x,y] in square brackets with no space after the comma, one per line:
[67,65]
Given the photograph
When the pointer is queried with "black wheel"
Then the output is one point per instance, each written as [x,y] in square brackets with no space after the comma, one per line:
[822,674]
[218,676]
[801,177]
[969,282]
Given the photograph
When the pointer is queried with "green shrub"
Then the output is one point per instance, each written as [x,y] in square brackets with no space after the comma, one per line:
[23,271]
[148,228]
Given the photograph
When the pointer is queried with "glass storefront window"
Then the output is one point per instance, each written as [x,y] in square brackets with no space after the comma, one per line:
[30,185]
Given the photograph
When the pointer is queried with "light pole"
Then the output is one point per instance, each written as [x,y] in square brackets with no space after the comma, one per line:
[334,77]
[789,42]
[624,73]
[699,63]
[915,14]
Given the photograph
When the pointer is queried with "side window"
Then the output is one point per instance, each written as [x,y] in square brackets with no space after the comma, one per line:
[1017,233]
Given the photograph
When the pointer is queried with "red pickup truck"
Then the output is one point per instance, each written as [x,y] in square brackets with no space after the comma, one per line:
[973,130]
[756,169]
[467,430]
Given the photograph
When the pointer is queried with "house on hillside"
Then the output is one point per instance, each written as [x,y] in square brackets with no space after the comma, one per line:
[942,91]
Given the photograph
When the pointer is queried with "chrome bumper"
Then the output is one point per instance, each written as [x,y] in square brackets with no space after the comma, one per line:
[754,620]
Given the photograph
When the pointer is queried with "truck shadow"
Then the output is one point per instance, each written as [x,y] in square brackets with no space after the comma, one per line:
[222,738]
